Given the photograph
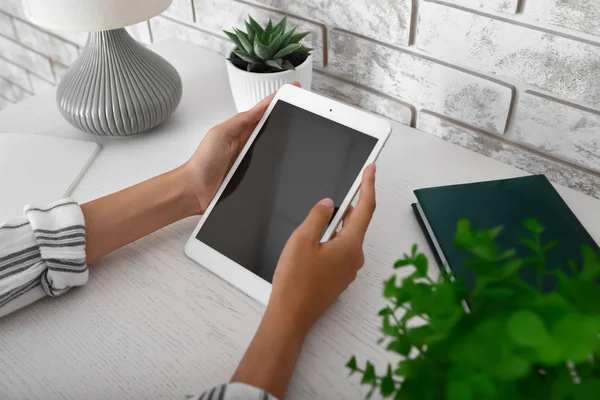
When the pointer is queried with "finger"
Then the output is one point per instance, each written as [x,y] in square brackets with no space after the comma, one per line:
[363,212]
[317,220]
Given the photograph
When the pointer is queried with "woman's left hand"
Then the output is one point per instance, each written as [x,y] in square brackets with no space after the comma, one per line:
[213,158]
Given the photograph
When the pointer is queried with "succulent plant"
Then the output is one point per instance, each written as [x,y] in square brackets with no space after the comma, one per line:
[268,49]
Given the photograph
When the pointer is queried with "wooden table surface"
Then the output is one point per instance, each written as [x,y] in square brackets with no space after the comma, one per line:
[151,323]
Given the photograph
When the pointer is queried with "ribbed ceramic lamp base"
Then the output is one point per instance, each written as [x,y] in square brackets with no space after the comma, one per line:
[117,87]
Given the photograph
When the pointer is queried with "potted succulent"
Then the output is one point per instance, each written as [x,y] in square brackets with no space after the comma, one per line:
[515,342]
[264,59]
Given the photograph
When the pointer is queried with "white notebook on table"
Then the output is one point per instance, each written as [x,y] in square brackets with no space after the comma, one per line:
[38,169]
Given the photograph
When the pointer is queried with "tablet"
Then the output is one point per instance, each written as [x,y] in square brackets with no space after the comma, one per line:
[306,147]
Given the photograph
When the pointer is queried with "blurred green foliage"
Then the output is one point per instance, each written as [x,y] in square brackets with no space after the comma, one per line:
[512,342]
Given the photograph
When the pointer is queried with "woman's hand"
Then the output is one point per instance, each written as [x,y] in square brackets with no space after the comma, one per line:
[122,217]
[309,277]
[207,168]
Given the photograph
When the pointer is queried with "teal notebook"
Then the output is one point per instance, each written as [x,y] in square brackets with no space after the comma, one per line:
[505,203]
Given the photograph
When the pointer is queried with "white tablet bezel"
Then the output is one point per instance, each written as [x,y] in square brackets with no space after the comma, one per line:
[354,118]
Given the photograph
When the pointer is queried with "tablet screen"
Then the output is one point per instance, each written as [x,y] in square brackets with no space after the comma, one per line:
[297,159]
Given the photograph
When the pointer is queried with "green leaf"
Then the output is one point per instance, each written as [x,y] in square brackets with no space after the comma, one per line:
[387,328]
[274,63]
[552,307]
[255,26]
[245,56]
[369,374]
[591,264]
[421,265]
[401,346]
[463,236]
[403,263]
[258,67]
[282,24]
[550,245]
[549,352]
[280,27]
[414,249]
[298,37]
[287,65]
[251,32]
[289,49]
[269,27]
[508,254]
[234,39]
[577,335]
[385,311]
[458,390]
[494,232]
[275,46]
[244,41]
[587,390]
[389,287]
[511,267]
[531,244]
[526,328]
[351,365]
[288,36]
[533,225]
[500,293]
[388,385]
[262,51]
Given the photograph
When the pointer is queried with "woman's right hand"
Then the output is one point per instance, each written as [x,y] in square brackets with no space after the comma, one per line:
[310,275]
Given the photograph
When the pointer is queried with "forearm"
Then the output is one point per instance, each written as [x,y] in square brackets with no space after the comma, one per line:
[271,357]
[123,217]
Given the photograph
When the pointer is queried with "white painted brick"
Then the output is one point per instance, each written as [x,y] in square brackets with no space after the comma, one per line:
[562,66]
[181,10]
[163,28]
[579,15]
[418,81]
[216,15]
[26,58]
[4,103]
[509,154]
[6,26]
[14,73]
[384,20]
[60,70]
[12,7]
[556,128]
[39,85]
[140,32]
[12,92]
[362,98]
[46,43]
[500,6]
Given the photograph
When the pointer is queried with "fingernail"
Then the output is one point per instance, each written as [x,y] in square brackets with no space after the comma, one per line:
[327,203]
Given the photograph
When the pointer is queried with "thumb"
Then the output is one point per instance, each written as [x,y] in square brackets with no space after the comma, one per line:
[317,219]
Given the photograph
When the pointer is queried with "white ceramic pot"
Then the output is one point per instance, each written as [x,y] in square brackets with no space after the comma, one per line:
[248,88]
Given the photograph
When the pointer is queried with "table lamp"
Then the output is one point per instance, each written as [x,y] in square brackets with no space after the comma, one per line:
[116,87]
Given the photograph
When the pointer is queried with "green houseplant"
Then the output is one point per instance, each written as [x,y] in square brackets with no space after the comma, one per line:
[514,342]
[264,59]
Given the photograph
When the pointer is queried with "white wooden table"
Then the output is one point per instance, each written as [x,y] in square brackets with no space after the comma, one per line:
[153,324]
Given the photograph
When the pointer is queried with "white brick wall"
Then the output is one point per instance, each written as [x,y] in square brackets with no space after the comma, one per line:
[516,80]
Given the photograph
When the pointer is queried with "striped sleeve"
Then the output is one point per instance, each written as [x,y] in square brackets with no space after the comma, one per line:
[233,391]
[41,254]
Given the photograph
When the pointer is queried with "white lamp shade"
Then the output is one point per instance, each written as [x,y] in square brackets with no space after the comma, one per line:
[91,15]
